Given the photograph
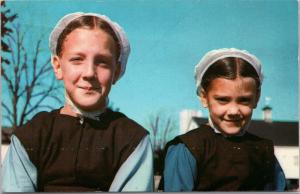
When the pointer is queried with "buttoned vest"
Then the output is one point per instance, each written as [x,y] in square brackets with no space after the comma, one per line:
[78,155]
[238,163]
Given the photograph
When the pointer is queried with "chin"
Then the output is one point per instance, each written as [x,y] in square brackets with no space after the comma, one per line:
[90,104]
[231,130]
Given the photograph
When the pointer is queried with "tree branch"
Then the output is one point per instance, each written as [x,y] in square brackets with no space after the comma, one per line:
[8,118]
[51,89]
[36,104]
[12,54]
[56,98]
[24,78]
[10,84]
[166,131]
[45,106]
[6,108]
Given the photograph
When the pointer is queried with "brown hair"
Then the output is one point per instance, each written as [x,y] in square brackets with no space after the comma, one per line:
[86,21]
[229,68]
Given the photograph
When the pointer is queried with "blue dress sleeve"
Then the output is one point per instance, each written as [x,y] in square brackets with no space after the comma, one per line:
[136,173]
[180,171]
[19,173]
[279,183]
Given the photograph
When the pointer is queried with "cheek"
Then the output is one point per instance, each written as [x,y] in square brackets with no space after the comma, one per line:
[246,111]
[217,110]
[105,77]
[71,74]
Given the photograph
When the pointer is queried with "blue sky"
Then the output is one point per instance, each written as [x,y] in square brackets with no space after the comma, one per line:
[169,37]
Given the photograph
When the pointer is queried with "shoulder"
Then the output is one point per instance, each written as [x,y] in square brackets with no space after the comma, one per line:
[177,150]
[197,135]
[40,121]
[127,125]
[249,137]
[34,132]
[194,136]
[39,118]
[123,130]
[194,141]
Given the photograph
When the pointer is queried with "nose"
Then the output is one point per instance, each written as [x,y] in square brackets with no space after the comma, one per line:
[233,110]
[89,71]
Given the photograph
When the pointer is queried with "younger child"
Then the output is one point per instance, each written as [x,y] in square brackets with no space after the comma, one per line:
[83,146]
[221,155]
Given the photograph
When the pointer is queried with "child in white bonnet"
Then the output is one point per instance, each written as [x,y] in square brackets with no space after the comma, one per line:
[83,146]
[221,155]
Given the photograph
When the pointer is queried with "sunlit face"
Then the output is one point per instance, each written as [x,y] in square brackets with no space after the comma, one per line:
[87,67]
[230,103]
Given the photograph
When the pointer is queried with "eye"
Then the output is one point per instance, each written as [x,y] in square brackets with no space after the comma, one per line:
[100,62]
[76,59]
[245,100]
[103,61]
[222,100]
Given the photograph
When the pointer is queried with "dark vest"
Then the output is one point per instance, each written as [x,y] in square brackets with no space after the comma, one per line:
[74,156]
[229,163]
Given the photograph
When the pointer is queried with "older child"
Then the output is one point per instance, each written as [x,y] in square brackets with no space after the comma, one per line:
[83,146]
[222,155]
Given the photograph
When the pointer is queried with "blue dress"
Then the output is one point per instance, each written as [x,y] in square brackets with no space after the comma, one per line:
[180,171]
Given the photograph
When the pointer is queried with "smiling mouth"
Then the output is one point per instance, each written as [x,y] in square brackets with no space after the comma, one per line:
[89,88]
[233,121]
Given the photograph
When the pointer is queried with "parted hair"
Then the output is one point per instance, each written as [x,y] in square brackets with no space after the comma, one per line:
[229,68]
[90,22]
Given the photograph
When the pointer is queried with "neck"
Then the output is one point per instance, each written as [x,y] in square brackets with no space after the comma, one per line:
[71,109]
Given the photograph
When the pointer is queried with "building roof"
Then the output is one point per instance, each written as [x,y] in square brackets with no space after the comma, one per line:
[280,132]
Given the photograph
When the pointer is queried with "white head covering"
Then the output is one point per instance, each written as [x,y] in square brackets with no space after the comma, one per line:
[67,19]
[212,56]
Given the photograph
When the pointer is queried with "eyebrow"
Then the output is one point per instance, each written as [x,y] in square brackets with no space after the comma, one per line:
[100,54]
[105,56]
[220,96]
[226,96]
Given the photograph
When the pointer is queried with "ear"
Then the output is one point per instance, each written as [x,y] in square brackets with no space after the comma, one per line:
[57,67]
[257,99]
[203,98]
[117,73]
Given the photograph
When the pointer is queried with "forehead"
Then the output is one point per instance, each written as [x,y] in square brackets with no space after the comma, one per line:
[89,38]
[228,87]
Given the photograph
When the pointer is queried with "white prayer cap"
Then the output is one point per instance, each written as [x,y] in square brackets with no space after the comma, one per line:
[67,19]
[214,55]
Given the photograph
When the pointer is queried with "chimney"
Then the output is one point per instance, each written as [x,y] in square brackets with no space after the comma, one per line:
[267,114]
[267,110]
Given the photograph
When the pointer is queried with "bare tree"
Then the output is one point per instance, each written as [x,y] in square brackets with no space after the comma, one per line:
[6,19]
[27,78]
[161,127]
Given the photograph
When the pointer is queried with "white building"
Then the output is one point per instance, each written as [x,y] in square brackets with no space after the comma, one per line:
[185,120]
